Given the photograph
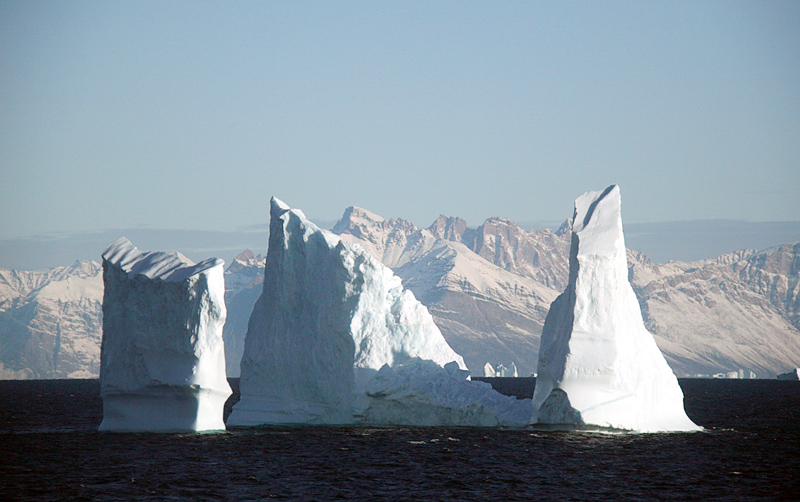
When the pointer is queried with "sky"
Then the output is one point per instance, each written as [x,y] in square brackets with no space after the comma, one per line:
[190,115]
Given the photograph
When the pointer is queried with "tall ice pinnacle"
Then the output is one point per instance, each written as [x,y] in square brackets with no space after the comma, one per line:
[162,356]
[329,318]
[598,364]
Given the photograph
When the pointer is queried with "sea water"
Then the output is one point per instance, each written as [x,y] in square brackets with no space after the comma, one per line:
[750,450]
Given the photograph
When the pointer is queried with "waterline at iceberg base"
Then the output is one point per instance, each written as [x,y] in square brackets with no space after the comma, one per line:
[162,355]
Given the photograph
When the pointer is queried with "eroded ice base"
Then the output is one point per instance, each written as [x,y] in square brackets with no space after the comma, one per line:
[253,411]
[164,408]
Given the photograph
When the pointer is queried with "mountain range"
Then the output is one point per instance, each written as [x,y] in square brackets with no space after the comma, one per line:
[488,288]
[51,322]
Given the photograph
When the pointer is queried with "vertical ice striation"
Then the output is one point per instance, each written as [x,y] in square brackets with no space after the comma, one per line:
[598,364]
[162,355]
[329,318]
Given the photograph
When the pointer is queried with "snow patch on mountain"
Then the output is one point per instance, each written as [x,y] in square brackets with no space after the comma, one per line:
[720,315]
[50,322]
[738,311]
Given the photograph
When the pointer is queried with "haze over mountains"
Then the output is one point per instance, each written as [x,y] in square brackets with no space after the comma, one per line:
[488,288]
[661,241]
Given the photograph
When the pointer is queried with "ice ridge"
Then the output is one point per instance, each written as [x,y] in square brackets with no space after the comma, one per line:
[155,264]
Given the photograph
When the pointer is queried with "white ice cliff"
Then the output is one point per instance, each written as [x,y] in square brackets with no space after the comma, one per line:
[162,356]
[598,364]
[333,333]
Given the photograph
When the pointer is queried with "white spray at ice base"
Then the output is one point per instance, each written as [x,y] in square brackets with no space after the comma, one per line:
[598,364]
[162,356]
[335,339]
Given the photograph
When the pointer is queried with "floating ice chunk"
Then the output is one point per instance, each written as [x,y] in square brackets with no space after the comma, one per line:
[598,364]
[422,393]
[329,318]
[162,356]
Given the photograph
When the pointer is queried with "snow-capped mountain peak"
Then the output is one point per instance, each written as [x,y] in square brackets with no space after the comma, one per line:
[488,289]
[450,228]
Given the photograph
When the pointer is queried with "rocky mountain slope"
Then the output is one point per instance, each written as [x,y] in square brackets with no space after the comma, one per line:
[489,289]
[738,311]
[50,322]
[243,284]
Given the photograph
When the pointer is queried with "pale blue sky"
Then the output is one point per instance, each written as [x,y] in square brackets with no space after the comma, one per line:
[190,115]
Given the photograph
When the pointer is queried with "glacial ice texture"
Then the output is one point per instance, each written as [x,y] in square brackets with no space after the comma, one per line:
[422,393]
[598,364]
[332,322]
[162,355]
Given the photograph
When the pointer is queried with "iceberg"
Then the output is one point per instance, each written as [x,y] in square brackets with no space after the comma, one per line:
[598,365]
[334,335]
[162,358]
[790,375]
[500,370]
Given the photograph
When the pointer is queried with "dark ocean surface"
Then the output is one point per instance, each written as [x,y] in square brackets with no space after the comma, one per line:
[50,450]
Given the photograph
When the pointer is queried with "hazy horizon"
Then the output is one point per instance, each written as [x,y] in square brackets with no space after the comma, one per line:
[660,241]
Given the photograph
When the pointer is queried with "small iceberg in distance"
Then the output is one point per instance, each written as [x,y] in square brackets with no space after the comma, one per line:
[790,375]
[598,365]
[162,355]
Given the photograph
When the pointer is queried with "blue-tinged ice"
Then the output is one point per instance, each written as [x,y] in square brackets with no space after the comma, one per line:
[162,355]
